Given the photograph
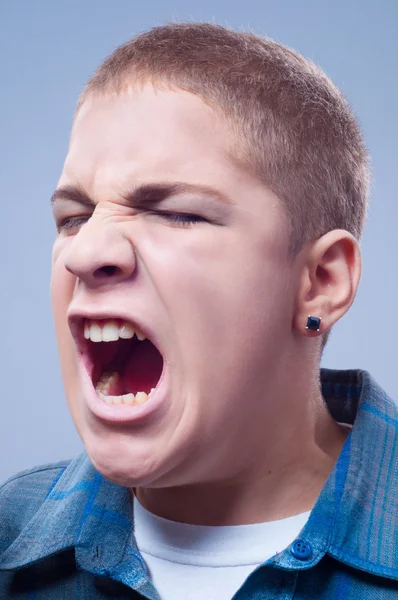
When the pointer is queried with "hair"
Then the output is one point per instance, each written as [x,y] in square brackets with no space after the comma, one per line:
[292,128]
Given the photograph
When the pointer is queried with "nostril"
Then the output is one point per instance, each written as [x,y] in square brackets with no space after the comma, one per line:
[106,271]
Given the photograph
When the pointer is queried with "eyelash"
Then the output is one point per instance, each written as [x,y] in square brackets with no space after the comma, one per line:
[191,220]
[178,218]
[70,223]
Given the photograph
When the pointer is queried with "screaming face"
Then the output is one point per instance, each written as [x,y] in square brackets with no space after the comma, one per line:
[170,274]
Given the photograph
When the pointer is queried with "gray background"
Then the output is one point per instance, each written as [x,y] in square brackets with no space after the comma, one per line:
[48,49]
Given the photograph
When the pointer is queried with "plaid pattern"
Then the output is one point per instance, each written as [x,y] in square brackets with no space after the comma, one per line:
[67,533]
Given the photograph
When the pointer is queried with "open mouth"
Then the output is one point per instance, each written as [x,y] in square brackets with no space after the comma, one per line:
[124,365]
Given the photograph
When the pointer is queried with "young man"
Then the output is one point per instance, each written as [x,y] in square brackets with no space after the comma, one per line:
[208,218]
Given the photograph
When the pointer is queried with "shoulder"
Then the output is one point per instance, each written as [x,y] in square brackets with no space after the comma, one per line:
[22,495]
[35,482]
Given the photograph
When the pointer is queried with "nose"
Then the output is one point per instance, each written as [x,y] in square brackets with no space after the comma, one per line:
[100,255]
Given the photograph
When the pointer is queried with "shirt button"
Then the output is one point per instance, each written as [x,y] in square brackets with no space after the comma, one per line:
[301,549]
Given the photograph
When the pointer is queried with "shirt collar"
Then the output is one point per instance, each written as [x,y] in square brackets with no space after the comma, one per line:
[87,512]
[81,503]
[353,519]
[365,532]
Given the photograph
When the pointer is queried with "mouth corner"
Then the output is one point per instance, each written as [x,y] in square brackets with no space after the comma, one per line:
[76,327]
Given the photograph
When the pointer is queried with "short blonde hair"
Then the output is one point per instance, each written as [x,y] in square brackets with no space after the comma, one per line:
[292,127]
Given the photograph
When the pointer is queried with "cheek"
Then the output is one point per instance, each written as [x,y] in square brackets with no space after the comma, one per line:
[62,288]
[225,296]
[219,274]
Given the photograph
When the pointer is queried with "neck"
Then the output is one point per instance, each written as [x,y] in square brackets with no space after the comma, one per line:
[290,466]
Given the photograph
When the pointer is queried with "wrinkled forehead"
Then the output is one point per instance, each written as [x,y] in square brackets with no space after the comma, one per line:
[154,136]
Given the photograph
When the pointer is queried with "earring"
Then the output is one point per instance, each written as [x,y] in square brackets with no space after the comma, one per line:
[313,323]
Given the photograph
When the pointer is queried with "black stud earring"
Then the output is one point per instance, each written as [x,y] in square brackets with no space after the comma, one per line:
[313,323]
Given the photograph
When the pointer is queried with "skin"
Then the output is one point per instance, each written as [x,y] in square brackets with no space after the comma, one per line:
[224,298]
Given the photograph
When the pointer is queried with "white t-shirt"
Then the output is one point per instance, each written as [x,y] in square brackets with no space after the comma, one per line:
[192,562]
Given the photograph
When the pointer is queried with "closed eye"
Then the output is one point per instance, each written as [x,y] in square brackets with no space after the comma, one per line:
[181,219]
[69,224]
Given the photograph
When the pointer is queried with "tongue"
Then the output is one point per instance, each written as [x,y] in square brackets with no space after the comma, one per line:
[142,371]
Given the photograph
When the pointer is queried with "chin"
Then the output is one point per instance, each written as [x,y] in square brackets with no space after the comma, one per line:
[126,466]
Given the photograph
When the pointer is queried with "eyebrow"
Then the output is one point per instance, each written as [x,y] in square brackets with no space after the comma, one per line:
[142,195]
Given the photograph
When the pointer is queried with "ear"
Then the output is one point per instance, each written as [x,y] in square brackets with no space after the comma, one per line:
[330,270]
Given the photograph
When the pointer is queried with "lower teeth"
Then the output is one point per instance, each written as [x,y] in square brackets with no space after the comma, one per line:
[109,380]
[139,398]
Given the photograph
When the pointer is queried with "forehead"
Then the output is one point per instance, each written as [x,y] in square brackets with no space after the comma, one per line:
[159,137]
[145,135]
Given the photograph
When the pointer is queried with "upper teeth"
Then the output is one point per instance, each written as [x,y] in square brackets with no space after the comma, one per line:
[110,331]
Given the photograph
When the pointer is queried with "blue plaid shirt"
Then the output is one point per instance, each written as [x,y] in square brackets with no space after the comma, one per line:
[67,533]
